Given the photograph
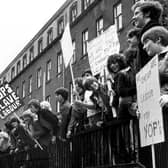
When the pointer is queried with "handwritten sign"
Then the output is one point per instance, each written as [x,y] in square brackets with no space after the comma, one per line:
[148,94]
[9,101]
[100,48]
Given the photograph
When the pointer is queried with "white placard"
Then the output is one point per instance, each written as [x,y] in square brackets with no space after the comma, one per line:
[148,94]
[101,47]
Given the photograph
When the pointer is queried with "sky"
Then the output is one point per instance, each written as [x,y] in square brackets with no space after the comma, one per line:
[20,20]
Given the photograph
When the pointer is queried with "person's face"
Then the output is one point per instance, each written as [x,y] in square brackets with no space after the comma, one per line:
[132,41]
[59,98]
[152,48]
[33,109]
[115,67]
[27,120]
[138,18]
[94,86]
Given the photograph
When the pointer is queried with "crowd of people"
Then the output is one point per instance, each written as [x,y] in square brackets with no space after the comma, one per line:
[95,103]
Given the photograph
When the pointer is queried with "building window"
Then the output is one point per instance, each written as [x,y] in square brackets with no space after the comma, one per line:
[23,89]
[18,67]
[74,12]
[73,60]
[30,84]
[86,4]
[99,26]
[31,54]
[84,42]
[40,46]
[118,16]
[24,60]
[48,70]
[49,36]
[39,77]
[48,98]
[59,63]
[12,73]
[17,91]
[60,26]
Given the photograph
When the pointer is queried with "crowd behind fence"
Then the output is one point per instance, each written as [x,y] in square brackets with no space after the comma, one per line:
[91,148]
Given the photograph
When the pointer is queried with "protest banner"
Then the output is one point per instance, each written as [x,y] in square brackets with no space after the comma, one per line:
[148,94]
[100,48]
[9,101]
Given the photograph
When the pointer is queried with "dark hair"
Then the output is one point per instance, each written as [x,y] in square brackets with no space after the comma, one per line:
[34,102]
[116,58]
[79,82]
[154,8]
[130,55]
[87,71]
[8,124]
[155,33]
[88,81]
[133,32]
[63,92]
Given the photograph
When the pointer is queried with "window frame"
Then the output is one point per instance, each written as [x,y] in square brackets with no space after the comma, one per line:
[18,67]
[30,84]
[74,56]
[17,91]
[60,25]
[48,70]
[99,29]
[85,4]
[24,61]
[118,16]
[59,63]
[39,77]
[13,72]
[73,12]
[50,36]
[31,54]
[23,89]
[40,45]
[85,42]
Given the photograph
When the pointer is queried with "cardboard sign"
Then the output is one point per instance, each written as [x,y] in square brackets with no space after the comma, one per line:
[148,94]
[100,48]
[9,101]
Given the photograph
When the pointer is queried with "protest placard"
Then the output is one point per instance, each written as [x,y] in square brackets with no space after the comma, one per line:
[9,101]
[148,94]
[100,48]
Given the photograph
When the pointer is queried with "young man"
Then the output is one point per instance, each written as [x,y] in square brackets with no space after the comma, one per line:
[45,125]
[133,37]
[65,111]
[146,15]
[155,41]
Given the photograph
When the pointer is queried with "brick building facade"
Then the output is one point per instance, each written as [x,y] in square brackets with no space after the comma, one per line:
[38,69]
